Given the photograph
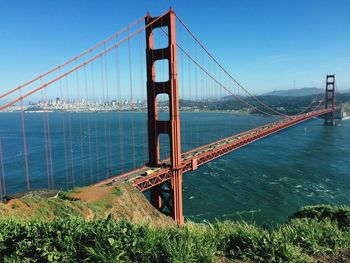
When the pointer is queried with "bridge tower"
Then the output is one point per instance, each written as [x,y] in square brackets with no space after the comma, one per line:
[330,100]
[166,197]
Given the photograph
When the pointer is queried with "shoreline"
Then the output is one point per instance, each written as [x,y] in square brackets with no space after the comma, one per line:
[127,111]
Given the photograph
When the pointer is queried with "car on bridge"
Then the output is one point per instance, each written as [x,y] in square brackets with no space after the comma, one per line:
[150,171]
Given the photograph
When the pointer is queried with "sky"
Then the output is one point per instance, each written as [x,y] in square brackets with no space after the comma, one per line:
[267,45]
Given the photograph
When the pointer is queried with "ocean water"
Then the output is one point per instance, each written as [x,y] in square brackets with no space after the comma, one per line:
[264,182]
[269,180]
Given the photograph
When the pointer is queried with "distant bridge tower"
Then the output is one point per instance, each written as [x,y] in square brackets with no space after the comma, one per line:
[330,100]
[166,197]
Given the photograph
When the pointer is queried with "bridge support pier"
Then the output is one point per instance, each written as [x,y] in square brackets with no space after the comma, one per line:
[166,197]
[177,210]
[330,100]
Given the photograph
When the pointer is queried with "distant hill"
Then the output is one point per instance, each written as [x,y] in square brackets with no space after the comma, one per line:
[300,92]
[295,92]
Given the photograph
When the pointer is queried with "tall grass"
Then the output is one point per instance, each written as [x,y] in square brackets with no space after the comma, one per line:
[77,240]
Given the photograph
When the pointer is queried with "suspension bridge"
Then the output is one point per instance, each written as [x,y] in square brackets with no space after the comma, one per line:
[128,109]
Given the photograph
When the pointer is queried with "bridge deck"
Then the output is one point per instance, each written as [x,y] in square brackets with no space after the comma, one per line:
[146,177]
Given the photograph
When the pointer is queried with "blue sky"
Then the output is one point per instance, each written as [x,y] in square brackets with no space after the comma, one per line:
[266,45]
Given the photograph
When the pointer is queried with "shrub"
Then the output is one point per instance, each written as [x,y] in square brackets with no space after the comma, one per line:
[340,215]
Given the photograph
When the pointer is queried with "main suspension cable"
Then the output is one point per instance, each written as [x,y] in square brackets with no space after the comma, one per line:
[82,64]
[74,58]
[231,77]
[217,82]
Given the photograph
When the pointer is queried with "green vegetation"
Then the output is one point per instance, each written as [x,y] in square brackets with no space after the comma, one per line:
[340,215]
[312,233]
[118,191]
[120,201]
[34,207]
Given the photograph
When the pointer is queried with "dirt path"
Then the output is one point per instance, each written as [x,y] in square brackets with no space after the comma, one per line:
[92,194]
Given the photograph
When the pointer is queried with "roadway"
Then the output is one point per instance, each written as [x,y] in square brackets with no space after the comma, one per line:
[146,177]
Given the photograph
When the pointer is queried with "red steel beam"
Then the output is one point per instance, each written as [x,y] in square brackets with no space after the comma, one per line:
[164,174]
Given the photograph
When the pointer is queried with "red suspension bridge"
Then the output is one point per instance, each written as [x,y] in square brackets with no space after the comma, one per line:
[94,121]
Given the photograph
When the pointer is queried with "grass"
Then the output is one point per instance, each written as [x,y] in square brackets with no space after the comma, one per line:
[117,191]
[311,233]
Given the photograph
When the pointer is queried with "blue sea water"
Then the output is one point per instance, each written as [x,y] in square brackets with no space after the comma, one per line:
[264,182]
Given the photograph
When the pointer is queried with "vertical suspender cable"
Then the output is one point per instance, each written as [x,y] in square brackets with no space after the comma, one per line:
[142,86]
[190,100]
[1,173]
[120,108]
[80,128]
[104,118]
[95,122]
[156,135]
[70,137]
[132,108]
[49,141]
[46,144]
[64,136]
[183,127]
[108,118]
[196,100]
[88,124]
[2,179]
[24,145]
[213,97]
